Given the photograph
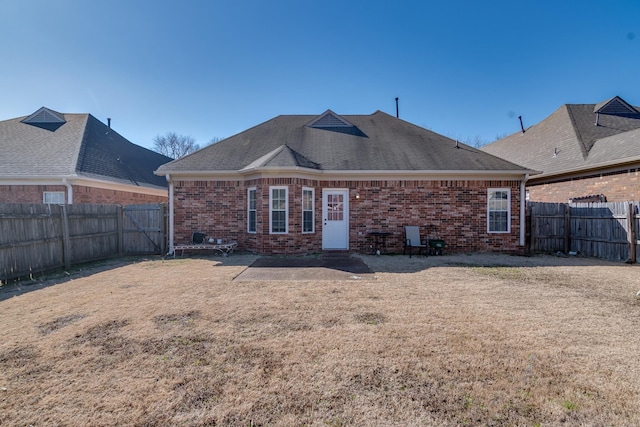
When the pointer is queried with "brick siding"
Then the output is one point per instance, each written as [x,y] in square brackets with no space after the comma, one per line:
[617,187]
[455,211]
[81,194]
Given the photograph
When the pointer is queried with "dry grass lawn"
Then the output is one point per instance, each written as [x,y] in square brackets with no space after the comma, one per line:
[446,341]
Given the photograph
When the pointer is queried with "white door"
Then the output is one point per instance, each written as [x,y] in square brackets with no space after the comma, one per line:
[335,219]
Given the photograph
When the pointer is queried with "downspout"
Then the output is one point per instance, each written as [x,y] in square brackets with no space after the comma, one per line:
[523,208]
[69,191]
[168,177]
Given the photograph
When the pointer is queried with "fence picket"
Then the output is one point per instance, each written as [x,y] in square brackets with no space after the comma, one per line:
[602,230]
[39,237]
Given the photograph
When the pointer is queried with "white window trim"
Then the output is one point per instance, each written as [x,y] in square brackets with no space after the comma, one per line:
[313,210]
[58,193]
[249,190]
[286,209]
[489,191]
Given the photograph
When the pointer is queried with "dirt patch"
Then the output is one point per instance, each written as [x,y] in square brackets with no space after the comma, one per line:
[446,341]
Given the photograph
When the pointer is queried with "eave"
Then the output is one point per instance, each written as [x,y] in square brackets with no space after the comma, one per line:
[298,172]
[610,166]
[87,182]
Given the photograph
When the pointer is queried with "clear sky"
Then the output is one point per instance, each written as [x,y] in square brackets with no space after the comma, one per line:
[210,69]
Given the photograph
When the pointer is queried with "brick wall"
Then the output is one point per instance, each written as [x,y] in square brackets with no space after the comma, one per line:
[26,193]
[617,187]
[455,211]
[81,194]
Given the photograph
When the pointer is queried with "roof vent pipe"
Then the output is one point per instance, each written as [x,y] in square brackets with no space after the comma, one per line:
[597,119]
[397,112]
[521,126]
[109,122]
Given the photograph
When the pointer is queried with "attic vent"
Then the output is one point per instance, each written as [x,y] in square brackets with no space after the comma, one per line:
[330,120]
[617,107]
[44,115]
[46,119]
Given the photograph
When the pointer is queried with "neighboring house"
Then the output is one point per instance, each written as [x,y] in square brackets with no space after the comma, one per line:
[300,184]
[586,152]
[51,157]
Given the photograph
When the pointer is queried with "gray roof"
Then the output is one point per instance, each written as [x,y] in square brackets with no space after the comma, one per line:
[329,142]
[42,145]
[570,140]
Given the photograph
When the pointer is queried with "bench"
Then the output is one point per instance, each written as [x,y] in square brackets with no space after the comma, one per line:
[225,248]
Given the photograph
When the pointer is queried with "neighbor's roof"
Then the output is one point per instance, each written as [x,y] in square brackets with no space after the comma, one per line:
[51,144]
[570,140]
[331,142]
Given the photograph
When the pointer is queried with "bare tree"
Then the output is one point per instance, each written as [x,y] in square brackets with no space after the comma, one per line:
[174,145]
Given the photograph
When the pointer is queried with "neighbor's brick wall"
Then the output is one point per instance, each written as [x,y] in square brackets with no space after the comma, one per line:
[26,193]
[81,194]
[617,187]
[455,211]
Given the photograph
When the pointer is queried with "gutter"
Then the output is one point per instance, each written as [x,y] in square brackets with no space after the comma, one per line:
[523,206]
[612,165]
[69,191]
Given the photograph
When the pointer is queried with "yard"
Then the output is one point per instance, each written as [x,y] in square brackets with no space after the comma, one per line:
[438,341]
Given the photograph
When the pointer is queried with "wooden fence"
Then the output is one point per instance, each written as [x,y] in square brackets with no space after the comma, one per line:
[38,237]
[601,230]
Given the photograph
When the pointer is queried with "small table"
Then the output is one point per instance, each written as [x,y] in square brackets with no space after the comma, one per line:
[379,241]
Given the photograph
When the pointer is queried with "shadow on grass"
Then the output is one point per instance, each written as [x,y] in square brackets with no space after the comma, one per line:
[24,285]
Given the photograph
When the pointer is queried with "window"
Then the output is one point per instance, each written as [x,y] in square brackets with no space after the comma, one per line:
[251,210]
[53,198]
[499,210]
[278,210]
[307,210]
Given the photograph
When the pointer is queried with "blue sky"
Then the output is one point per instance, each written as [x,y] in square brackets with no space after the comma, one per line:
[210,69]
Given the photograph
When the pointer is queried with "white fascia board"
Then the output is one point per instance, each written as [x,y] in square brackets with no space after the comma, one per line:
[88,182]
[298,172]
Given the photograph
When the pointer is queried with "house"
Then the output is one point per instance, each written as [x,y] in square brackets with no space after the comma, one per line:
[51,157]
[300,184]
[586,152]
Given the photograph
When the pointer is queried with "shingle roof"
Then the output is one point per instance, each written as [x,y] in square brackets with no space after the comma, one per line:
[82,146]
[569,139]
[376,142]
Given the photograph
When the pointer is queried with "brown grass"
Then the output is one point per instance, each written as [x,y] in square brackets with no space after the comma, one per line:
[442,341]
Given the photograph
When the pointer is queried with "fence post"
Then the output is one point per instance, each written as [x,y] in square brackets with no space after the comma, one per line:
[532,228]
[120,221]
[66,239]
[631,232]
[567,228]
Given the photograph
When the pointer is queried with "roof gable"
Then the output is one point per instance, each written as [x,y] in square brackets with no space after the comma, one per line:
[329,119]
[46,119]
[616,106]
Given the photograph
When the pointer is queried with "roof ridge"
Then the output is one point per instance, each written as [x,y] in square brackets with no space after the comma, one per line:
[576,131]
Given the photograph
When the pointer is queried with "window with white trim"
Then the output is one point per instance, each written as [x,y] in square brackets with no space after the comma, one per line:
[53,197]
[499,210]
[308,224]
[278,210]
[252,212]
